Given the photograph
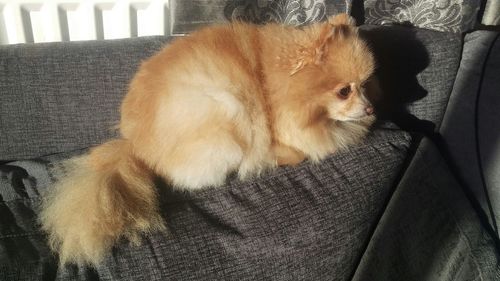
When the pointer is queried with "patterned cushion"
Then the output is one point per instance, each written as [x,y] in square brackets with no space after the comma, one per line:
[443,15]
[190,15]
[491,13]
[293,12]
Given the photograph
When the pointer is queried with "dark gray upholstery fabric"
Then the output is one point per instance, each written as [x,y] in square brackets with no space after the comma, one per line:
[309,222]
[429,230]
[59,97]
[474,108]
[417,69]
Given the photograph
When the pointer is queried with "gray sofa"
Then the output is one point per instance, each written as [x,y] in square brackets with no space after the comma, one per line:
[390,208]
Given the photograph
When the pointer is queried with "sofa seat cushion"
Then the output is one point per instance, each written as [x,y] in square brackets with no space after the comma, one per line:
[309,222]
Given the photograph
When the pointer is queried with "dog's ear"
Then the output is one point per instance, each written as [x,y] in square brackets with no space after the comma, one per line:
[337,27]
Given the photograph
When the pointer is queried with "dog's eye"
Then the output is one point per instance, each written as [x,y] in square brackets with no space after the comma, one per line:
[344,92]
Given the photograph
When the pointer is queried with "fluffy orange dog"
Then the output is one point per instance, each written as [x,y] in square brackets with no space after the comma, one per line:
[230,98]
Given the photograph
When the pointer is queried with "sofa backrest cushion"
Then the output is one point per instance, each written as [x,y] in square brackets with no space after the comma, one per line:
[64,96]
[60,97]
[417,68]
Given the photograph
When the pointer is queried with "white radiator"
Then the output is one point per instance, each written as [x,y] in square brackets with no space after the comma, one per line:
[33,21]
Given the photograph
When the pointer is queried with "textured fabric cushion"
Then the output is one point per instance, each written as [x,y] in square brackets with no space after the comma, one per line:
[65,96]
[450,16]
[59,97]
[417,68]
[429,230]
[188,15]
[309,222]
[473,108]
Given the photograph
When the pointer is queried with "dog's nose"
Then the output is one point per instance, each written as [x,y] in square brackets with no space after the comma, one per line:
[369,110]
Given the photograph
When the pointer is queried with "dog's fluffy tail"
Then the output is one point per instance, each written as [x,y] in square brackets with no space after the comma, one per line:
[103,196]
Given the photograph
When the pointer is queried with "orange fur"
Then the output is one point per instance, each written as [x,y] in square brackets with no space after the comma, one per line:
[234,97]
[104,196]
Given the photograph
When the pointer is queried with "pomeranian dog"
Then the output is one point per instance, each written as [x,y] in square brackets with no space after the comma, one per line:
[231,98]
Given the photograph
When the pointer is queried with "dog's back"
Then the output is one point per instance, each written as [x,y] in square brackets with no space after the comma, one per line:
[196,110]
